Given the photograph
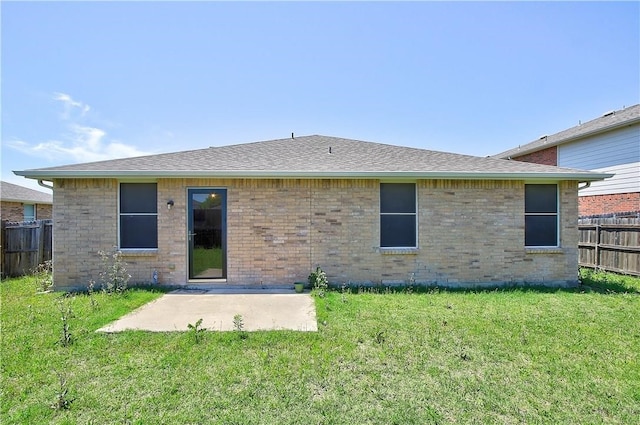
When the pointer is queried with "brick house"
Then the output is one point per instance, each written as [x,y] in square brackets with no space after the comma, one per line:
[19,203]
[269,212]
[608,144]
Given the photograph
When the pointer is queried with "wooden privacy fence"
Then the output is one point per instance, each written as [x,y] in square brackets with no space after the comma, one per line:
[25,245]
[611,244]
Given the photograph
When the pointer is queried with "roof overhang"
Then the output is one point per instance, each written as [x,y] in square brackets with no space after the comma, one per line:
[516,152]
[264,174]
[27,201]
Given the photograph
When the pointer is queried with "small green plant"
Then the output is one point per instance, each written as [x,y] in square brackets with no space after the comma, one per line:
[197,330]
[464,355]
[43,277]
[62,401]
[411,284]
[114,276]
[343,292]
[65,314]
[238,326]
[318,281]
[91,292]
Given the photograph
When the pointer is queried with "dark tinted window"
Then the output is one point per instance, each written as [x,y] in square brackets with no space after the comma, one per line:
[398,215]
[138,198]
[397,198]
[398,230]
[541,215]
[138,231]
[138,215]
[541,230]
[541,198]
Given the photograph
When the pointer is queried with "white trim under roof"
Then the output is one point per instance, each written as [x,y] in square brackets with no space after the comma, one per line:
[62,174]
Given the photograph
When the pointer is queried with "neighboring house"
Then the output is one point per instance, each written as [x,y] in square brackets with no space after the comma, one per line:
[270,212]
[609,144]
[18,203]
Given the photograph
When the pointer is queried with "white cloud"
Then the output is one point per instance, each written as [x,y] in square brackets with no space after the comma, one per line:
[85,144]
[70,105]
[89,137]
[82,143]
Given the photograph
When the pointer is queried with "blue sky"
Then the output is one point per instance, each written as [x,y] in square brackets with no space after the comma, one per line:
[85,81]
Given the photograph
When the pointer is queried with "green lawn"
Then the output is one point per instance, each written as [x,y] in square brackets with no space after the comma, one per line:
[504,357]
[204,259]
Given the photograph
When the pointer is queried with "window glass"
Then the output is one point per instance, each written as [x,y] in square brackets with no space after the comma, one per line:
[541,230]
[398,230]
[397,198]
[138,215]
[138,231]
[541,215]
[138,198]
[541,198]
[398,215]
[29,212]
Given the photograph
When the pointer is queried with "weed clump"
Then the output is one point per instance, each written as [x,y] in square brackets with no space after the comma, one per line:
[114,275]
[43,277]
[62,400]
[65,314]
[238,326]
[319,282]
[197,330]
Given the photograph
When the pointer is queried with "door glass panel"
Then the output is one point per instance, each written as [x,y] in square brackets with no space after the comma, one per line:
[207,244]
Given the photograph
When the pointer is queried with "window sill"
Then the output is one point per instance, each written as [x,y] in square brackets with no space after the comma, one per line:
[138,252]
[398,251]
[553,250]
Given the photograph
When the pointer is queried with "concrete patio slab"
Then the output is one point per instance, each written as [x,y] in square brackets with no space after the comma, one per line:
[261,310]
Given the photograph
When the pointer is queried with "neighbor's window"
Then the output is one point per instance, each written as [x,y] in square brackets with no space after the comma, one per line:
[138,215]
[398,215]
[29,212]
[541,215]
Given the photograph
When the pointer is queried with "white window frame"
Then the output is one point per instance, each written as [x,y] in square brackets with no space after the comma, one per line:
[415,213]
[557,215]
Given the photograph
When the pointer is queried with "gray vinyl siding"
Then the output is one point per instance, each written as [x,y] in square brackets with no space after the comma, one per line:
[616,152]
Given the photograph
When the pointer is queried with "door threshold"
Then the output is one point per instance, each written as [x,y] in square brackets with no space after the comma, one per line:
[237,288]
[205,281]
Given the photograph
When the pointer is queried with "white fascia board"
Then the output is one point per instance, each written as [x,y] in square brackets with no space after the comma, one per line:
[27,201]
[53,174]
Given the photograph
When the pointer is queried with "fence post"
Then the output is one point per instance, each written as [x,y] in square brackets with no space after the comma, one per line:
[597,254]
[40,242]
[2,237]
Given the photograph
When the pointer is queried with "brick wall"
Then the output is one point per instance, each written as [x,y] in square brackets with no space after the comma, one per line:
[470,232]
[609,204]
[14,211]
[44,211]
[547,156]
[473,232]
[11,211]
[84,222]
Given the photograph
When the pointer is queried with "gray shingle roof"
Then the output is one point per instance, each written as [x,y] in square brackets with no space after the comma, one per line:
[309,157]
[14,193]
[607,122]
